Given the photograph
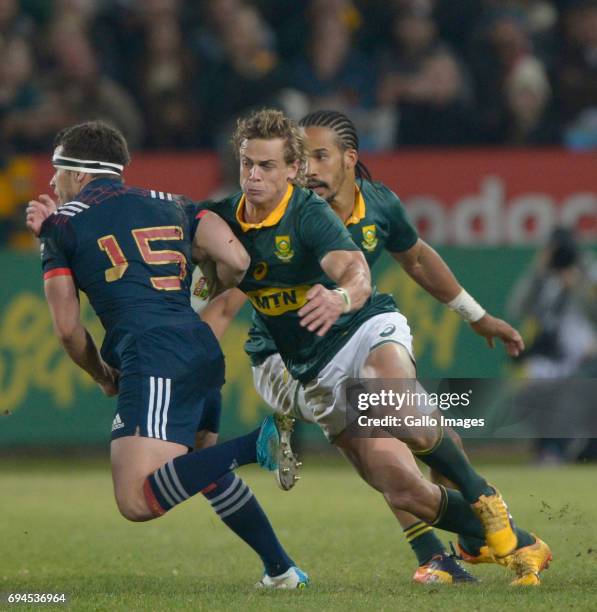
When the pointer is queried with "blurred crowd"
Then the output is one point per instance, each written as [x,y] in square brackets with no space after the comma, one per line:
[175,73]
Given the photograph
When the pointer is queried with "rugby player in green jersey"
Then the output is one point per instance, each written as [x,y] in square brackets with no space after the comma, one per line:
[286,233]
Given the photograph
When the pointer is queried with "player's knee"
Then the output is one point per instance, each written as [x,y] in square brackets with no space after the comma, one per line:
[421,439]
[389,361]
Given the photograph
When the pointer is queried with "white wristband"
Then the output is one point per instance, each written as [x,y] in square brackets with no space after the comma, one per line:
[467,307]
[345,299]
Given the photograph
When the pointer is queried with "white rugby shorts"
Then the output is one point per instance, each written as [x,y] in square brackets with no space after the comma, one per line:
[323,399]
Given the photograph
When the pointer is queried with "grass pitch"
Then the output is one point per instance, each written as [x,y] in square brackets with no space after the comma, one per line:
[60,532]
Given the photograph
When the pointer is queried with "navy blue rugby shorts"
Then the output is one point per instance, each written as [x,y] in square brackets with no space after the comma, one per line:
[170,383]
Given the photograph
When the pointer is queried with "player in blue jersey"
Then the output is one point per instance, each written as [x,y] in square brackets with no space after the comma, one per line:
[129,250]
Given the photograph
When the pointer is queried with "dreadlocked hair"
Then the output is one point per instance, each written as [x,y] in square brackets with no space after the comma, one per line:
[268,124]
[346,134]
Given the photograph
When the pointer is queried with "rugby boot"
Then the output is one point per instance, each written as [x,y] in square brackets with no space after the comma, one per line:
[268,444]
[528,562]
[495,518]
[442,569]
[288,464]
[293,578]
[484,556]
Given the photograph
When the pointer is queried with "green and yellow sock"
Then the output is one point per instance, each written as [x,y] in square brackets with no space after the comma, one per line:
[423,541]
[451,462]
[456,515]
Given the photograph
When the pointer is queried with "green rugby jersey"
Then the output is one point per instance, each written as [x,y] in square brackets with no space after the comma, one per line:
[285,251]
[378,222]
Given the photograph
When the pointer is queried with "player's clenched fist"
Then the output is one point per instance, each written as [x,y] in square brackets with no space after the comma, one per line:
[321,310]
[38,211]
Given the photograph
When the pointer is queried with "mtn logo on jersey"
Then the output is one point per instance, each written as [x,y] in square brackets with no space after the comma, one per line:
[117,423]
[369,238]
[283,249]
[275,301]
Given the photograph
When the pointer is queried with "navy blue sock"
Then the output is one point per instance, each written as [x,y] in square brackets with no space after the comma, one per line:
[234,502]
[185,476]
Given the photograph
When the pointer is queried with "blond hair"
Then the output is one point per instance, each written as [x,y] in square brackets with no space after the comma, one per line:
[267,124]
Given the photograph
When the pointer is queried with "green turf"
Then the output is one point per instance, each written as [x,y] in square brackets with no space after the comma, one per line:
[60,532]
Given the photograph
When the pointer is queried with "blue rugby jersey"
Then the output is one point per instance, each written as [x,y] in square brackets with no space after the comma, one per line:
[129,250]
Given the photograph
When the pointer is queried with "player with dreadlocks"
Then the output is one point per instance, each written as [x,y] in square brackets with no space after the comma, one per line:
[374,217]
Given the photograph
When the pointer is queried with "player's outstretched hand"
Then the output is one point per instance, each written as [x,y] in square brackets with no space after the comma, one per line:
[321,310]
[490,328]
[109,381]
[38,211]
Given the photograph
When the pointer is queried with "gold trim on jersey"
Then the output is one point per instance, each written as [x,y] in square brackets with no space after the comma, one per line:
[272,219]
[359,210]
[276,301]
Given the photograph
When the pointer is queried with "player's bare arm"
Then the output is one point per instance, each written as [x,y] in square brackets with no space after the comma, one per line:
[220,311]
[63,301]
[215,241]
[427,268]
[350,271]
